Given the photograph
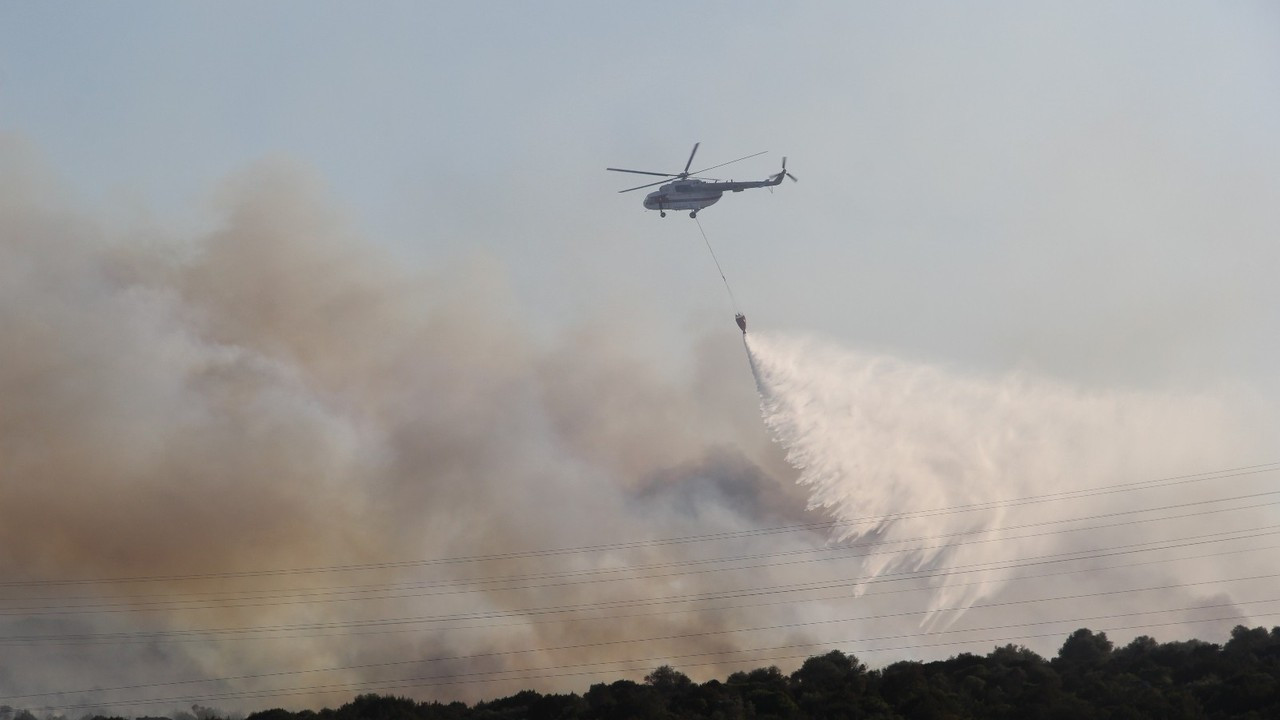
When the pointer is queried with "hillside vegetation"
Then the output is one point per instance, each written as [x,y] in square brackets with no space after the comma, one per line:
[1089,678]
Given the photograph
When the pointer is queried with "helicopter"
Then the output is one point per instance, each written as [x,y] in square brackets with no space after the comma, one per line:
[687,192]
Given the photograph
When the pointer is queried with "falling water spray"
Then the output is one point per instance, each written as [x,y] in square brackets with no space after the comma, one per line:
[881,442]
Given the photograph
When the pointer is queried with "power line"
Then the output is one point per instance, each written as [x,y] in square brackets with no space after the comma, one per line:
[997,565]
[682,636]
[133,606]
[450,679]
[139,602]
[153,636]
[1048,497]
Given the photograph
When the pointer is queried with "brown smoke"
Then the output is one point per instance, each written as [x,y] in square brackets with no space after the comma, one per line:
[281,393]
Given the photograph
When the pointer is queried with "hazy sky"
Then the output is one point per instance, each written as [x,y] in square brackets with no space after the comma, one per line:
[371,253]
[1086,189]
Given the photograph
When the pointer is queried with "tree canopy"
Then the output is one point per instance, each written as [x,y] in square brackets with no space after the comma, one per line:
[1089,678]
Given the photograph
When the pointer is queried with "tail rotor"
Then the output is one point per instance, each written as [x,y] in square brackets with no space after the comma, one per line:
[776,179]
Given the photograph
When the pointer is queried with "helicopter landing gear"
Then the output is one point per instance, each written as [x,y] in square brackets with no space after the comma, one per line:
[662,213]
[693,214]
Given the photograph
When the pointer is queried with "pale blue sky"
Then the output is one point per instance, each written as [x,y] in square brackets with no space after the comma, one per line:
[1085,190]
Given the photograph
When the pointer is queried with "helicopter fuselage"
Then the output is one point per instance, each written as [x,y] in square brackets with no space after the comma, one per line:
[682,195]
[694,194]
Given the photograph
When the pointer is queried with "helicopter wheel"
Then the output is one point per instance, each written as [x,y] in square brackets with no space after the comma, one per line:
[693,214]
[662,213]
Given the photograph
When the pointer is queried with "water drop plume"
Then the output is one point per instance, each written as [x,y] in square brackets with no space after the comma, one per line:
[880,443]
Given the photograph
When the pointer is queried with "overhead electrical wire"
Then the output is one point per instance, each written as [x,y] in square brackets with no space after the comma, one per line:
[337,629]
[134,605]
[154,636]
[462,678]
[682,636]
[1012,502]
[138,603]
[529,615]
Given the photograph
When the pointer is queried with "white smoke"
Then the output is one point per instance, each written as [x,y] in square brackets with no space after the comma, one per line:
[877,439]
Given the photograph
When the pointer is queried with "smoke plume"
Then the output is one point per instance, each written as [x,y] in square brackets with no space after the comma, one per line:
[230,454]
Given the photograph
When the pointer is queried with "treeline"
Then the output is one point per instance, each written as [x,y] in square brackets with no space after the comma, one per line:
[1089,678]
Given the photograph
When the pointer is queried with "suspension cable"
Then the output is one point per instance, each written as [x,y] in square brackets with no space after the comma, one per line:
[732,300]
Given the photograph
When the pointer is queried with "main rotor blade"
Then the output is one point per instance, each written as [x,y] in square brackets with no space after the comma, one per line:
[643,186]
[642,172]
[713,167]
[695,152]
